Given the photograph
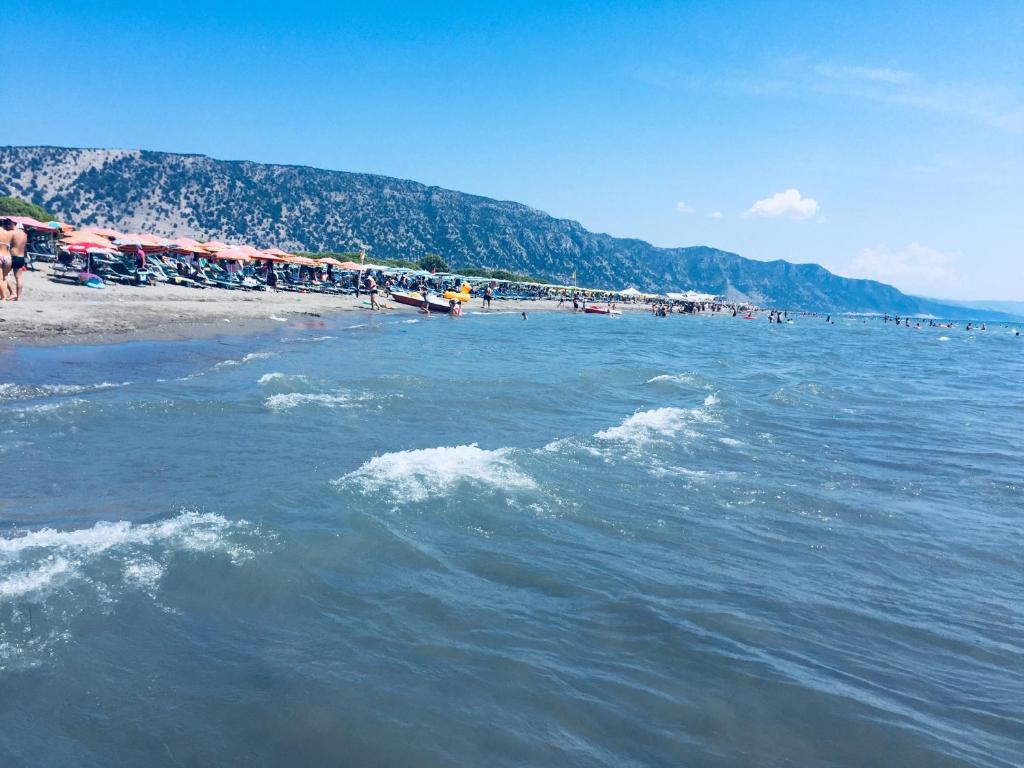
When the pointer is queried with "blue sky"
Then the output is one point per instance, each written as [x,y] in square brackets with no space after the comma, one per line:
[879,141]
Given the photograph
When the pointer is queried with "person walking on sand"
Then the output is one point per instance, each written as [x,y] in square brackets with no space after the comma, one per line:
[19,258]
[371,288]
[488,295]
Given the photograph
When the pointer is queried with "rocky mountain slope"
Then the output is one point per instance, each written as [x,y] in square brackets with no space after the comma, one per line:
[304,208]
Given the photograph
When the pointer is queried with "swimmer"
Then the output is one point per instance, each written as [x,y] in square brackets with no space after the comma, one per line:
[524,315]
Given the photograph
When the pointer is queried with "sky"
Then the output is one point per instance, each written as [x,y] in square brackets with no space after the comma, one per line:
[881,140]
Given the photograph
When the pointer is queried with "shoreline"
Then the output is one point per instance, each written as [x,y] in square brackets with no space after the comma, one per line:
[55,313]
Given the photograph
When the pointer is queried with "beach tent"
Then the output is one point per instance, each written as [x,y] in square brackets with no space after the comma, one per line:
[630,292]
[691,296]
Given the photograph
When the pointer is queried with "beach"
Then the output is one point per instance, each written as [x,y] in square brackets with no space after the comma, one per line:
[56,312]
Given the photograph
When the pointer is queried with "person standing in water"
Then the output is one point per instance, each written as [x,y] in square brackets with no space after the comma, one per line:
[423,295]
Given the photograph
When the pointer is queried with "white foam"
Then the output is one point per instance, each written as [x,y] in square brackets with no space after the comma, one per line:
[64,573]
[944,338]
[306,339]
[431,472]
[56,407]
[39,560]
[287,401]
[644,427]
[407,322]
[33,579]
[269,378]
[245,359]
[9,391]
[279,319]
[673,378]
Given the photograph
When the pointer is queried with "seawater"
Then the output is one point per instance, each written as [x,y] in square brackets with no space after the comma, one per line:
[487,541]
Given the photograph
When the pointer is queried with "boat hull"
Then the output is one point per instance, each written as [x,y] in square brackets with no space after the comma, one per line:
[415,300]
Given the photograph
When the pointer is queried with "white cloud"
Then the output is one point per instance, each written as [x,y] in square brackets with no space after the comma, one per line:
[789,203]
[915,268]
[715,215]
[683,207]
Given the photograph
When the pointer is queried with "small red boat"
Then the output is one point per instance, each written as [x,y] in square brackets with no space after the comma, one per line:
[597,309]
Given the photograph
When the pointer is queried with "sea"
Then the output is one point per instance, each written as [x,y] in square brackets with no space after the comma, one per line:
[567,540]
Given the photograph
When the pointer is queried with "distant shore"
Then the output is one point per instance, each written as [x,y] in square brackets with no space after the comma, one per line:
[61,313]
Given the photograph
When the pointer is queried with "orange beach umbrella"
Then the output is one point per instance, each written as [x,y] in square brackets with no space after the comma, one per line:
[232,254]
[278,252]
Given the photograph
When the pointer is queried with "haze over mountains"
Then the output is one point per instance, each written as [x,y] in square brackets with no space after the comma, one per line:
[302,208]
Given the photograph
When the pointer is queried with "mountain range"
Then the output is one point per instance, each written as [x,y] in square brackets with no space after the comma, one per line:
[310,209]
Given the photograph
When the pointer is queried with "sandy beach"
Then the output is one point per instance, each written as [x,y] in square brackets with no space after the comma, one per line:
[54,312]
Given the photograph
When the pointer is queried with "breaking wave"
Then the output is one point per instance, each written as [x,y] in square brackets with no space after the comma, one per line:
[644,426]
[245,359]
[48,575]
[420,474]
[285,401]
[673,378]
[277,376]
[10,391]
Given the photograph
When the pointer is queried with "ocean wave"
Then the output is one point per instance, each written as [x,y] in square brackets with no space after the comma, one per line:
[55,408]
[417,475]
[306,339]
[673,378]
[245,359]
[287,400]
[10,391]
[50,576]
[644,426]
[277,376]
[640,431]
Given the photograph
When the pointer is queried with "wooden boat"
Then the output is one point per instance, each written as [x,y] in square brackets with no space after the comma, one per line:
[415,300]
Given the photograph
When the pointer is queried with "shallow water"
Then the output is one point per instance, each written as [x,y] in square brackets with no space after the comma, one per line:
[570,541]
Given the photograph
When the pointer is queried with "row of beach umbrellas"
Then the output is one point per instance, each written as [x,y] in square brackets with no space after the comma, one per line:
[97,240]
